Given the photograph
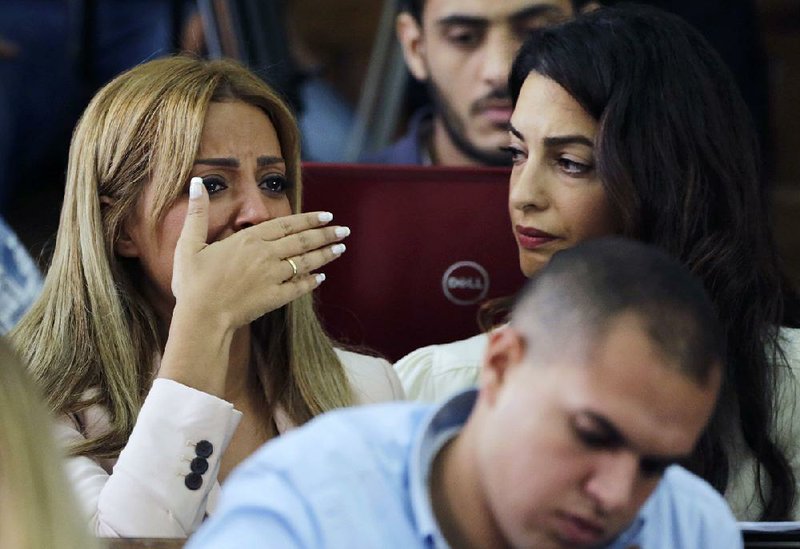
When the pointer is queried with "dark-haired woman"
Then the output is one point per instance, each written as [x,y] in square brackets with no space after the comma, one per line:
[626,121]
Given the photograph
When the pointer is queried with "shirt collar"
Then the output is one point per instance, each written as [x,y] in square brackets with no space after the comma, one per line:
[442,425]
[630,536]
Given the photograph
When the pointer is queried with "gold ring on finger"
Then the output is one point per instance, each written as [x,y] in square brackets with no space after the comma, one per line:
[294,266]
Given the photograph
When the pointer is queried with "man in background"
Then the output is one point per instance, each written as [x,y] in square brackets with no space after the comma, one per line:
[462,51]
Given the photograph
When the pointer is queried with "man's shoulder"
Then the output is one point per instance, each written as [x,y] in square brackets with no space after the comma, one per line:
[685,511]
[403,151]
[687,488]
[338,481]
[407,149]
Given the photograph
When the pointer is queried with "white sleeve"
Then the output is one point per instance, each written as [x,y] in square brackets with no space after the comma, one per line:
[148,494]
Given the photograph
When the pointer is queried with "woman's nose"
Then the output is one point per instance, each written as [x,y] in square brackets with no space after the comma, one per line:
[528,189]
[253,208]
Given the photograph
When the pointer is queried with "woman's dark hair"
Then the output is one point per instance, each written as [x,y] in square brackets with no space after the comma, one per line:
[678,156]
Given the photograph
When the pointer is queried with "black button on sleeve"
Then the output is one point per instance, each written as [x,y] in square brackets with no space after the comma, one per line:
[199,465]
[193,481]
[204,449]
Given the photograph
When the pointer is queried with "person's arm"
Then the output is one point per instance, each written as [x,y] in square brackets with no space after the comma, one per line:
[152,491]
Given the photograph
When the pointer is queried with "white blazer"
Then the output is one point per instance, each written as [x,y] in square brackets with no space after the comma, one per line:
[151,490]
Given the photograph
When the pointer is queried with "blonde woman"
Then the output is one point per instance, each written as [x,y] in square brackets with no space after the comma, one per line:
[36,507]
[175,333]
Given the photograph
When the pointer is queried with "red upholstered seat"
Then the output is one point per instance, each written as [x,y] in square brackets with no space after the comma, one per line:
[428,245]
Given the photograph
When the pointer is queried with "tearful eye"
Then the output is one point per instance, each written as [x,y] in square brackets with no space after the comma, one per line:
[275,184]
[214,184]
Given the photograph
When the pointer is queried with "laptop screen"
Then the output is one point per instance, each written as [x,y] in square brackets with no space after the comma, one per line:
[428,246]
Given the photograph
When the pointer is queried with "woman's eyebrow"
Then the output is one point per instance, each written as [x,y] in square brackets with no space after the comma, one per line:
[515,132]
[231,162]
[269,160]
[567,140]
[223,162]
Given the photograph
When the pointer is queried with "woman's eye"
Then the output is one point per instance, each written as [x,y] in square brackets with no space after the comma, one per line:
[275,184]
[571,167]
[515,153]
[214,185]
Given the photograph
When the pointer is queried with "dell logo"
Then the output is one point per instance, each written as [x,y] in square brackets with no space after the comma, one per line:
[465,283]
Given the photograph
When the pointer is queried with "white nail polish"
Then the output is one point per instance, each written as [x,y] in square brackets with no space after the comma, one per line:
[324,217]
[342,232]
[338,249]
[320,278]
[195,187]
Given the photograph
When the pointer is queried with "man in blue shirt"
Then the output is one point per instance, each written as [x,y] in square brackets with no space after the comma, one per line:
[605,377]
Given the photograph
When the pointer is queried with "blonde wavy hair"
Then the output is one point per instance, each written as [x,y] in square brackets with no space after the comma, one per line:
[92,337]
[37,507]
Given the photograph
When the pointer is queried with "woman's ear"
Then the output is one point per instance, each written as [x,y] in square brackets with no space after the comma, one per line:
[125,246]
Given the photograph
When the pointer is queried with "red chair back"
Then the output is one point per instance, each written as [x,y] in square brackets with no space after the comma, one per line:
[428,245]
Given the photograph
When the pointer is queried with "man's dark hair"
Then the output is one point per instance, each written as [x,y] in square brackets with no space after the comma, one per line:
[414,7]
[583,289]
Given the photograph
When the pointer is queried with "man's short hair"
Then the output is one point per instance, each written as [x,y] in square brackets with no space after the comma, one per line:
[583,289]
[414,7]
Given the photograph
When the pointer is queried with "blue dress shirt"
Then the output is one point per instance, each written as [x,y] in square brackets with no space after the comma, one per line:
[358,478]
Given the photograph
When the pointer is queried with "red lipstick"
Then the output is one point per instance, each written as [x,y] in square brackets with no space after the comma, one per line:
[532,238]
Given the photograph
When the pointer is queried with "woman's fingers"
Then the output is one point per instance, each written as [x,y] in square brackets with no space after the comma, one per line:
[306,241]
[194,233]
[281,227]
[298,286]
[255,270]
[195,227]
[310,261]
